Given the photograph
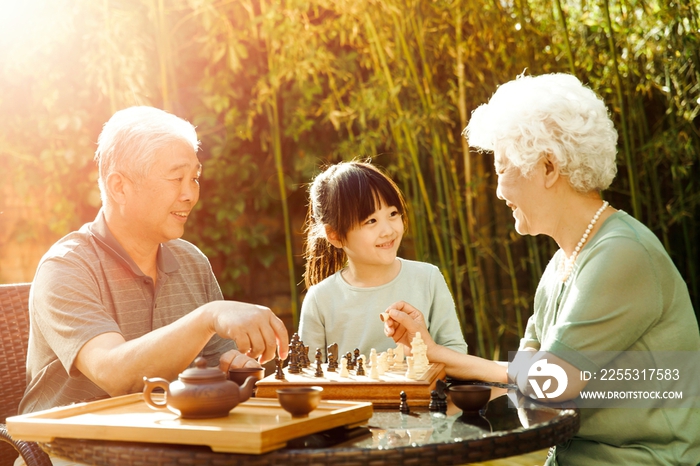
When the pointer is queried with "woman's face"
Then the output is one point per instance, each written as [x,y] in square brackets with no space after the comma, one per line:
[523,194]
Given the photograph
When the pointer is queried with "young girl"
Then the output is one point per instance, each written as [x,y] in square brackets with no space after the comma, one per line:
[355,225]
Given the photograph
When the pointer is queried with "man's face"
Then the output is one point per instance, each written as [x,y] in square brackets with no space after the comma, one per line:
[160,203]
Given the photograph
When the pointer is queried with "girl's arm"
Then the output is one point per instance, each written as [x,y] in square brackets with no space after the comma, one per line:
[311,328]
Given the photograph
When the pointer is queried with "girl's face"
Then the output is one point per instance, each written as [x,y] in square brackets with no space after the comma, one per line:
[375,241]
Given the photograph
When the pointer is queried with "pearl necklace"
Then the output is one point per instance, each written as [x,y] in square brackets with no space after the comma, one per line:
[568,264]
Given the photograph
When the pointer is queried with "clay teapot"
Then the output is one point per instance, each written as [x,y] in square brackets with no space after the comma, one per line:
[200,392]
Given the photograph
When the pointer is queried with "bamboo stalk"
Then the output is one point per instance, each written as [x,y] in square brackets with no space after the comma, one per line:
[407,138]
[470,221]
[162,54]
[514,288]
[567,42]
[273,118]
[110,69]
[623,115]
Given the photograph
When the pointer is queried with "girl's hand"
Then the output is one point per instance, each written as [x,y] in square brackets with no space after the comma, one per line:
[404,323]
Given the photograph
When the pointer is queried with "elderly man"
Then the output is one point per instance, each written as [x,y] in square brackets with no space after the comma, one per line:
[124,297]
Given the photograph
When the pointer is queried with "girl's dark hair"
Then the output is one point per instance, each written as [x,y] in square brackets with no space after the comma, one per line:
[343,196]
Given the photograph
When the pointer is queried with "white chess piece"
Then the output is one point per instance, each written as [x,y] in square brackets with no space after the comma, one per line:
[410,373]
[419,349]
[344,367]
[390,357]
[383,365]
[398,354]
[374,370]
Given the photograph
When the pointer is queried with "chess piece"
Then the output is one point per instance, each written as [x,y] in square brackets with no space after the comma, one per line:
[434,406]
[390,357]
[305,354]
[319,370]
[294,366]
[403,407]
[348,356]
[360,370]
[344,367]
[440,387]
[442,403]
[399,354]
[332,364]
[355,355]
[374,371]
[419,350]
[279,372]
[332,349]
[382,365]
[410,372]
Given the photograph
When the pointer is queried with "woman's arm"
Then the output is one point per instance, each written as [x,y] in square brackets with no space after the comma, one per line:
[405,321]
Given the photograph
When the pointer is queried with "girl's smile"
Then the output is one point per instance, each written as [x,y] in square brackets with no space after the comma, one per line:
[371,247]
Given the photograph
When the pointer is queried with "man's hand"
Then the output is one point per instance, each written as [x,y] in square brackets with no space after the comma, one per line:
[234,359]
[405,321]
[257,331]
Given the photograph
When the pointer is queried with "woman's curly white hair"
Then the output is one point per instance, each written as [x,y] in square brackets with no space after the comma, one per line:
[554,114]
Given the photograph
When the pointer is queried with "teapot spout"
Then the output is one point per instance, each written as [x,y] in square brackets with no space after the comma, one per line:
[246,390]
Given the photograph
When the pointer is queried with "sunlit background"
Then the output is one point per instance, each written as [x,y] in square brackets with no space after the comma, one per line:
[276,89]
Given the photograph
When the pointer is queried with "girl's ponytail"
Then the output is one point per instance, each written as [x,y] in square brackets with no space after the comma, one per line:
[322,258]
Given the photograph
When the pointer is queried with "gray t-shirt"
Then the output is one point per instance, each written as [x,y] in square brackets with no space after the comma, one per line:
[87,285]
[625,294]
[335,312]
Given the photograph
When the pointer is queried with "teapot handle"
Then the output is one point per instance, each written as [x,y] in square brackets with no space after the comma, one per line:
[151,384]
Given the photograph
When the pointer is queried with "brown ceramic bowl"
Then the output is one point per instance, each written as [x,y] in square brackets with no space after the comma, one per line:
[240,375]
[470,398]
[299,401]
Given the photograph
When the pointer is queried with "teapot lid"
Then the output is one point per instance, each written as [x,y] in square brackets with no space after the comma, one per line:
[201,373]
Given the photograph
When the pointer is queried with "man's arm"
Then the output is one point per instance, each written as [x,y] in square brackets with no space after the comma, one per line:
[118,366]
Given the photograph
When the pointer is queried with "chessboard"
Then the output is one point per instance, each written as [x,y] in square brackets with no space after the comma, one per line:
[383,392]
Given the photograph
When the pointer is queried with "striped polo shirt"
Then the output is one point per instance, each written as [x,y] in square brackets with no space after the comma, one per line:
[87,285]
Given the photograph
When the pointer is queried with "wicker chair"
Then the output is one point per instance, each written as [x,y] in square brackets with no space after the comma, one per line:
[14,335]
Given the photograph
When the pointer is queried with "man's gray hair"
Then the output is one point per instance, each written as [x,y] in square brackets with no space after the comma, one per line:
[131,139]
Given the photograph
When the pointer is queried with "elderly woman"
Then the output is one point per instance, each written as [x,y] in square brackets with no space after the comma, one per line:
[610,287]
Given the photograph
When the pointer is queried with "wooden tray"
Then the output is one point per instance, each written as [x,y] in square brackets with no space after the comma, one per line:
[382,393]
[256,426]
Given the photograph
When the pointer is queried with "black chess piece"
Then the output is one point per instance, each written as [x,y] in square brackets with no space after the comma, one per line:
[319,369]
[403,407]
[305,353]
[332,349]
[440,387]
[360,370]
[355,355]
[434,406]
[332,363]
[279,372]
[442,402]
[351,362]
[294,366]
